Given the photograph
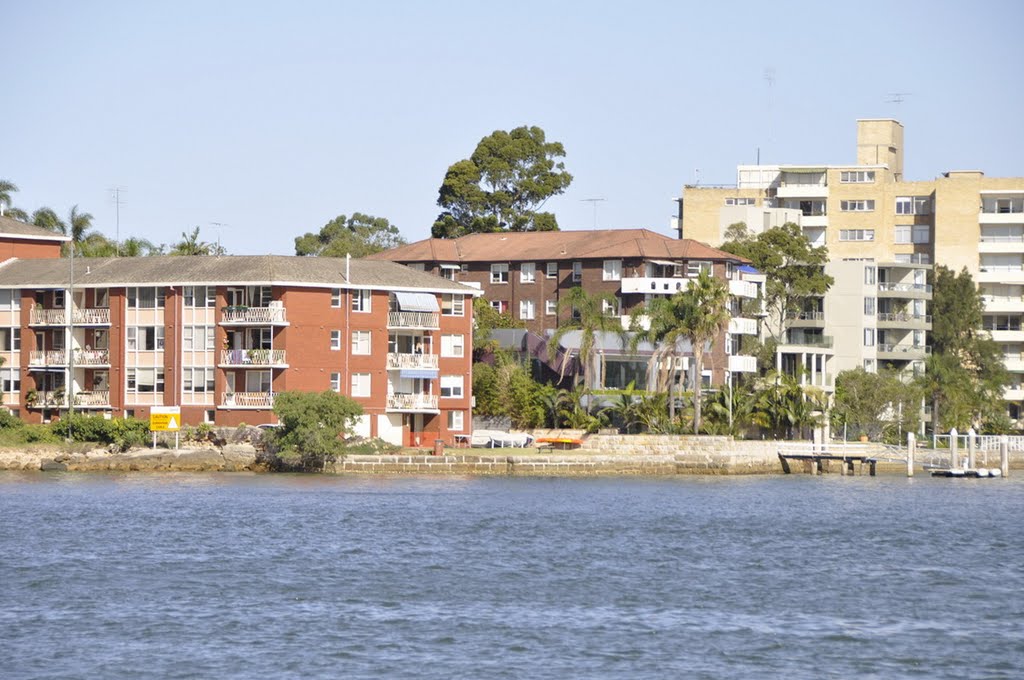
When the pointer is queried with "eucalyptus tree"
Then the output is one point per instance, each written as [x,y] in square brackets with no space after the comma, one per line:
[359,235]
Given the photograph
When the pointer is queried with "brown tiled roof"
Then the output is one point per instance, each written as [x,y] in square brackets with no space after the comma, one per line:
[12,227]
[555,245]
[238,269]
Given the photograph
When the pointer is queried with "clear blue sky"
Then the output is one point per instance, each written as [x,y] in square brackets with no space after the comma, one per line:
[274,118]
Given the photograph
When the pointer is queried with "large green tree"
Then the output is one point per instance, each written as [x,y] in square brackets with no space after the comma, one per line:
[312,425]
[793,267]
[965,374]
[589,315]
[503,185]
[358,236]
[875,404]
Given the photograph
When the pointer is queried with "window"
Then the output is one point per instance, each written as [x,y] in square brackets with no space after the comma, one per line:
[453,346]
[857,176]
[902,234]
[526,310]
[922,233]
[856,234]
[360,301]
[577,271]
[335,340]
[869,365]
[336,382]
[695,267]
[195,296]
[360,384]
[416,266]
[451,386]
[869,337]
[913,205]
[739,201]
[145,338]
[58,298]
[500,306]
[142,380]
[197,380]
[550,307]
[869,306]
[499,273]
[10,339]
[453,304]
[146,298]
[10,299]
[857,206]
[197,337]
[527,272]
[10,380]
[869,276]
[101,297]
[610,307]
[360,342]
[456,421]
[552,270]
[730,269]
[335,297]
[728,343]
[612,270]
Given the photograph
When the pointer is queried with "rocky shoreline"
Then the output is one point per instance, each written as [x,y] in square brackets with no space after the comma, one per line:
[229,458]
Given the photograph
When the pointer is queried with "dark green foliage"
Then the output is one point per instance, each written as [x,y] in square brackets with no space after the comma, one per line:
[312,425]
[507,389]
[358,236]
[879,405]
[487,318]
[8,420]
[191,245]
[502,185]
[121,434]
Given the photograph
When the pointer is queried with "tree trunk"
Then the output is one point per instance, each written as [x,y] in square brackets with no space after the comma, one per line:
[698,365]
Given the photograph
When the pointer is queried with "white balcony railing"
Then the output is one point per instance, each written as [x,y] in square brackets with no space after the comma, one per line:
[253,357]
[905,287]
[94,399]
[739,363]
[92,357]
[741,326]
[903,317]
[52,357]
[885,348]
[412,402]
[399,360]
[413,320]
[253,315]
[738,288]
[654,285]
[248,399]
[57,317]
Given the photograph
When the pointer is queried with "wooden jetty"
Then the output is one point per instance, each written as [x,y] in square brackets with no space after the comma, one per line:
[851,457]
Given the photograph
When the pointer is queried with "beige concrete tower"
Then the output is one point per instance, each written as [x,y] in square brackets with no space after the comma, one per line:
[880,142]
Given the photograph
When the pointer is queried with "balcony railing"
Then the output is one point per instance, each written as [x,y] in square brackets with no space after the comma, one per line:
[906,287]
[805,316]
[739,363]
[253,315]
[52,357]
[248,399]
[747,289]
[654,285]
[808,340]
[92,357]
[413,320]
[40,316]
[904,349]
[399,360]
[1002,238]
[253,357]
[94,399]
[903,317]
[412,402]
[742,326]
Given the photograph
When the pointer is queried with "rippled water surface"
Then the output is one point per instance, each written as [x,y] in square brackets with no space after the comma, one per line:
[244,576]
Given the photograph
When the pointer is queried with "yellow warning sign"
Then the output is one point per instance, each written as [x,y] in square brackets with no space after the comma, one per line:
[165,419]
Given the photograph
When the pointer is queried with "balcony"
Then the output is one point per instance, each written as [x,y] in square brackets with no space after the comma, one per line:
[904,290]
[813,221]
[802,191]
[399,360]
[739,288]
[1001,243]
[92,357]
[423,320]
[654,285]
[1001,274]
[240,315]
[805,340]
[741,326]
[1007,334]
[1014,364]
[739,363]
[1010,215]
[888,352]
[251,400]
[1003,303]
[412,402]
[40,316]
[57,358]
[92,399]
[806,319]
[233,358]
[904,320]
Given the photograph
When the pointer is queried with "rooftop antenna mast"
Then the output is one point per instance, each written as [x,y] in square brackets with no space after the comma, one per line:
[593,202]
[116,191]
[897,97]
[769,77]
[218,226]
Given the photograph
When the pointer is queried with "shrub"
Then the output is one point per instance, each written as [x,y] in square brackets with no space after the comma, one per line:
[119,433]
[311,428]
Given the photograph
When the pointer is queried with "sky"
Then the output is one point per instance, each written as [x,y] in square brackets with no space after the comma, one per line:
[259,122]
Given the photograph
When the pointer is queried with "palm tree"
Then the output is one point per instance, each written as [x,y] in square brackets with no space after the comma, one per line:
[78,224]
[590,317]
[6,189]
[191,245]
[47,219]
[135,247]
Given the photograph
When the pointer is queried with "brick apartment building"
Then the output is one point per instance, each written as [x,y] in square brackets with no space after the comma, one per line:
[219,336]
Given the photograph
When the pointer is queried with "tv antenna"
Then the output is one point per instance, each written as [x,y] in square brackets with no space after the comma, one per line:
[897,97]
[218,226]
[116,192]
[593,202]
[769,77]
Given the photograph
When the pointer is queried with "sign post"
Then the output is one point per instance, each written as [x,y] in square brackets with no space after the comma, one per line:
[165,419]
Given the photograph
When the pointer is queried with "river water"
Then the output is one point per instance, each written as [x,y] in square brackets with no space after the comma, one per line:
[278,576]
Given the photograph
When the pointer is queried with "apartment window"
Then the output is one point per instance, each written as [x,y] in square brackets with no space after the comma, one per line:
[526,310]
[857,176]
[101,297]
[146,298]
[857,206]
[360,301]
[500,306]
[922,233]
[869,365]
[417,266]
[453,305]
[336,382]
[612,270]
[453,346]
[856,234]
[552,270]
[869,337]
[197,337]
[695,267]
[730,269]
[360,384]
[869,306]
[10,339]
[335,297]
[740,201]
[913,205]
[869,276]
[610,307]
[456,421]
[145,338]
[577,271]
[448,272]
[451,386]
[10,299]
[903,234]
[360,342]
[728,343]
[195,296]
[197,380]
[550,307]
[527,272]
[58,298]
[499,272]
[335,340]
[10,380]
[145,380]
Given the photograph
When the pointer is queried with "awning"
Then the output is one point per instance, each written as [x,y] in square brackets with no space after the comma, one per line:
[451,266]
[417,302]
[666,263]
[426,373]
